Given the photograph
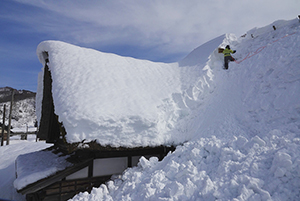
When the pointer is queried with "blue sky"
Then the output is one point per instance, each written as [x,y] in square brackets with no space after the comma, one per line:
[156,30]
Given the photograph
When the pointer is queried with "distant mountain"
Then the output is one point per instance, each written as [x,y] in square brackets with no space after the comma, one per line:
[23,112]
[5,94]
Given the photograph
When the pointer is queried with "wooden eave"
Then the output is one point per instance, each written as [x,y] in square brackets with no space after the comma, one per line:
[82,158]
[31,188]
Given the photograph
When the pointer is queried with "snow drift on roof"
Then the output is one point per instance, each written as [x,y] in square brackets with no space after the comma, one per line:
[34,166]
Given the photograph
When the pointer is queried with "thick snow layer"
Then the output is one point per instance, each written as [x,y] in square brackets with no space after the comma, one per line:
[245,135]
[116,100]
[121,101]
[34,166]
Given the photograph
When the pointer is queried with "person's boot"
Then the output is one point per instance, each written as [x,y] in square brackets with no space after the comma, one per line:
[225,66]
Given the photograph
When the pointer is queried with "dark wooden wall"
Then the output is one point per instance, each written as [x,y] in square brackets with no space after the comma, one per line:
[49,128]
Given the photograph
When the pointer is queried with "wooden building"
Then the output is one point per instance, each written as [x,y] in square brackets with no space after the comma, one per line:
[89,168]
[91,163]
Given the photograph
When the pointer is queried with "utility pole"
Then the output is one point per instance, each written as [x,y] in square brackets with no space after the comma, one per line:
[3,125]
[10,112]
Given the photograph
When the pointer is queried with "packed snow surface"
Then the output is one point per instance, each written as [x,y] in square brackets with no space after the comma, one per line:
[245,136]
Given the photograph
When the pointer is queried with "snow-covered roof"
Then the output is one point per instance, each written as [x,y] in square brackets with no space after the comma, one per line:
[118,101]
[34,166]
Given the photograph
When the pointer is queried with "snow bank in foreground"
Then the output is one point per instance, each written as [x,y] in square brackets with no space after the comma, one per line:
[209,169]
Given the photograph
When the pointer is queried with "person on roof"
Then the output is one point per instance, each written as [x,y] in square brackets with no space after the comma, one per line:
[227,56]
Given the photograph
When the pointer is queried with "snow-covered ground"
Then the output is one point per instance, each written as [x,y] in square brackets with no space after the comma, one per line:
[241,126]
[8,155]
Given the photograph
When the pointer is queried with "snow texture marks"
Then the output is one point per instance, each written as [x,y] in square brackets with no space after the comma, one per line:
[275,82]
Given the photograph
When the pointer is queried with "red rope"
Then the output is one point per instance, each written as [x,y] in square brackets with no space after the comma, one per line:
[249,55]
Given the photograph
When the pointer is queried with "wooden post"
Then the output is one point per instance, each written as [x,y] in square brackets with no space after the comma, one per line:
[26,131]
[3,125]
[10,112]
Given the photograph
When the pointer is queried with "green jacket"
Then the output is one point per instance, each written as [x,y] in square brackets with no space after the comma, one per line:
[227,52]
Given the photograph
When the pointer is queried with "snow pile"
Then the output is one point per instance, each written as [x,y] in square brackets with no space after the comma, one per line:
[34,166]
[209,169]
[244,126]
